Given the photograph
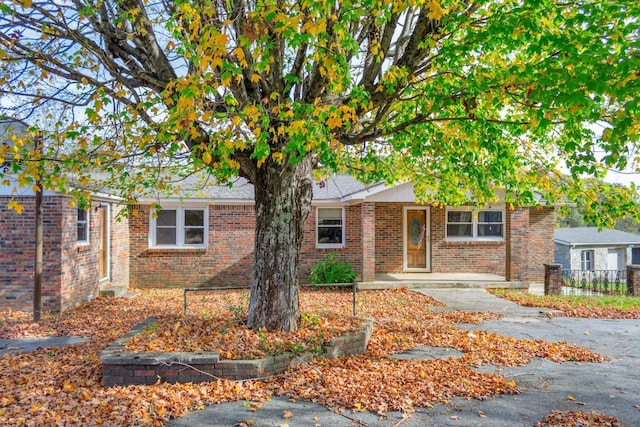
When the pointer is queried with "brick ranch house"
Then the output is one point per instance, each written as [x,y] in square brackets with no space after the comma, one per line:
[207,240]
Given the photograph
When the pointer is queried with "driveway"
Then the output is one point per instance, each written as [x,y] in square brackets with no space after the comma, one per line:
[611,388]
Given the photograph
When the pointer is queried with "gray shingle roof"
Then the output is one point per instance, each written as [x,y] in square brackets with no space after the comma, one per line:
[333,187]
[591,235]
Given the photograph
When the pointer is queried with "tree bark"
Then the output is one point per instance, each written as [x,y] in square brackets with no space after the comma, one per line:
[283,195]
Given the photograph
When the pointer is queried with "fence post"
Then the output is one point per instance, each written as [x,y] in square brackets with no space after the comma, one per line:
[552,279]
[633,280]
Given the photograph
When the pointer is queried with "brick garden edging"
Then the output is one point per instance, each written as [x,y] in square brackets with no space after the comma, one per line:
[128,368]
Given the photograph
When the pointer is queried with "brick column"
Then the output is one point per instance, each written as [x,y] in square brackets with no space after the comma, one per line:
[368,224]
[517,226]
[633,280]
[552,279]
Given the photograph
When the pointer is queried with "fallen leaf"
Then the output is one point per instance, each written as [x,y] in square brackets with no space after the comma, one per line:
[287,414]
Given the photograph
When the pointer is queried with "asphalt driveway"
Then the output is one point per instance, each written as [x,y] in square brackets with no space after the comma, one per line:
[611,388]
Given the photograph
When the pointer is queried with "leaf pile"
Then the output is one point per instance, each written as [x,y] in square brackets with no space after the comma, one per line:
[579,419]
[63,385]
[235,340]
[583,307]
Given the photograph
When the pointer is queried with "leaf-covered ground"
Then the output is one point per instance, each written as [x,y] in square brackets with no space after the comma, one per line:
[578,306]
[63,385]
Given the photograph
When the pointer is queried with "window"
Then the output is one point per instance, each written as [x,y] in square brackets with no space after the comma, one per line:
[330,227]
[485,224]
[459,224]
[586,260]
[83,226]
[179,227]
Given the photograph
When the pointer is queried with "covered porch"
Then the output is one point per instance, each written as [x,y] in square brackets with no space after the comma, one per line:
[441,280]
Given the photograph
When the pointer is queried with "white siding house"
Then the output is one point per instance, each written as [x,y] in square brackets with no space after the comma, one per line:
[587,249]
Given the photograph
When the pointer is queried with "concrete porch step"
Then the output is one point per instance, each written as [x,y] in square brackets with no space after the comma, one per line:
[443,285]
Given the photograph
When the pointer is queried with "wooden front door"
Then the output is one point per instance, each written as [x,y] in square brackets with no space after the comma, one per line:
[103,258]
[417,239]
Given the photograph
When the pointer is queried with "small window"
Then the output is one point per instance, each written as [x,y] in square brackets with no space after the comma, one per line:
[330,227]
[586,260]
[83,226]
[459,224]
[463,224]
[179,227]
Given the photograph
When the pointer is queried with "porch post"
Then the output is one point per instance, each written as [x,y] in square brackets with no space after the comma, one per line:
[368,225]
[552,279]
[517,226]
[633,280]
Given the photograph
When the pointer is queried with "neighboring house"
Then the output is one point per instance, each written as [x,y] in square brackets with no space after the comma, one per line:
[207,240]
[587,249]
[85,251]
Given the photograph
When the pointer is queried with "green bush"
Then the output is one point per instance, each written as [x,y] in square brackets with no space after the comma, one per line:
[329,270]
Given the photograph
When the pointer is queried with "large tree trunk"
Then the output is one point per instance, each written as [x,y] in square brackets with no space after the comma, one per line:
[283,195]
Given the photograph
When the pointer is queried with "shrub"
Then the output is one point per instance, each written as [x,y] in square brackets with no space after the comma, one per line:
[329,270]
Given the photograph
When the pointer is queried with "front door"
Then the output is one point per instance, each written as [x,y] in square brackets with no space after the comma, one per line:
[416,239]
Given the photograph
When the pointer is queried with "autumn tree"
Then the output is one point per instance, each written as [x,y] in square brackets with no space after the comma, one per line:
[460,97]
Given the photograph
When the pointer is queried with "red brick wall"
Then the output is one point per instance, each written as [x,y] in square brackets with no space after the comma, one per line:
[517,234]
[389,237]
[225,262]
[446,257]
[540,242]
[368,214]
[80,276]
[351,252]
[70,272]
[463,257]
[17,254]
[229,256]
[228,259]
[119,235]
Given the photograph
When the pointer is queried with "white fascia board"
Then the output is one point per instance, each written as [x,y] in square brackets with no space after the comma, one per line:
[104,197]
[366,193]
[600,244]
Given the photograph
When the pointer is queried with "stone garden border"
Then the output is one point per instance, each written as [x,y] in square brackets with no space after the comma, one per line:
[128,368]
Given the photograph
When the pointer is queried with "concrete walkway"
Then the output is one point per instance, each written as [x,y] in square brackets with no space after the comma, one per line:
[30,344]
[611,388]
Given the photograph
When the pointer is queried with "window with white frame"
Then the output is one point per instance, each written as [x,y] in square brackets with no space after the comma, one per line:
[484,224]
[83,226]
[179,227]
[586,260]
[330,227]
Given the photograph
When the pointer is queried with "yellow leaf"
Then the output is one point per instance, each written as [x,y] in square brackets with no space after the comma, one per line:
[67,387]
[435,11]
[571,397]
[334,122]
[18,207]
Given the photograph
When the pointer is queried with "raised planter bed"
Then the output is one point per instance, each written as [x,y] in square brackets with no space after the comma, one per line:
[127,368]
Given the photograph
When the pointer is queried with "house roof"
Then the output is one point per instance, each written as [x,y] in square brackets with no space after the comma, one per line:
[591,236]
[332,189]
